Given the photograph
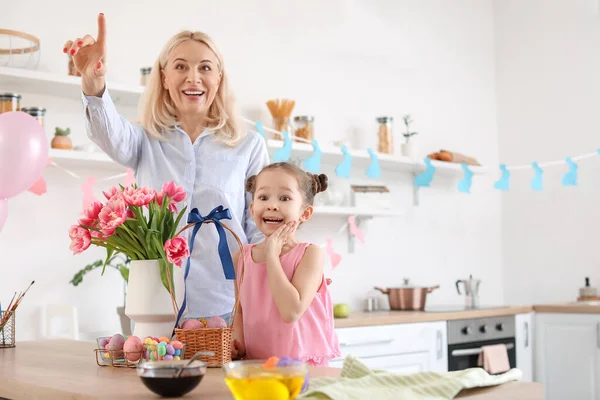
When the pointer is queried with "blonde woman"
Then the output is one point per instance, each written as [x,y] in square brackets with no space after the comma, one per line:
[189,134]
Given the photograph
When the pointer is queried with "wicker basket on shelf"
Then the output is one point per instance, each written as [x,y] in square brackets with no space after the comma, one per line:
[19,49]
[216,340]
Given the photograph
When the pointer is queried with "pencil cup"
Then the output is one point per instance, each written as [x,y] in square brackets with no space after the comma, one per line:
[7,334]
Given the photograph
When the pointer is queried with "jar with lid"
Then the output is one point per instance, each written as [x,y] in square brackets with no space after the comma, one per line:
[36,112]
[304,127]
[10,102]
[384,134]
[144,75]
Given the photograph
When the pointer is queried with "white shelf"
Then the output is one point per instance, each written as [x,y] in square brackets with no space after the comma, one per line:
[76,159]
[73,160]
[333,155]
[22,81]
[33,81]
[361,159]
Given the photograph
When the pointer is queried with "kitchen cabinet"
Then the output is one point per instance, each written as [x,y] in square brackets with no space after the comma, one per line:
[402,348]
[567,355]
[524,345]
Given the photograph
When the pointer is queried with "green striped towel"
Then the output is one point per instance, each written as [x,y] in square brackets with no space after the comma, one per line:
[357,381]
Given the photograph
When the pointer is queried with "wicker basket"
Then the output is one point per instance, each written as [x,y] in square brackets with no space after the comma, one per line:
[217,340]
[19,49]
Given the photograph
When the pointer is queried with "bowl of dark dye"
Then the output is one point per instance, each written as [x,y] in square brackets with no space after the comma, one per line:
[161,377]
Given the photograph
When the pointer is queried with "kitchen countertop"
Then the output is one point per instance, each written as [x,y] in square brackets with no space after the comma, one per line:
[567,308]
[59,369]
[403,317]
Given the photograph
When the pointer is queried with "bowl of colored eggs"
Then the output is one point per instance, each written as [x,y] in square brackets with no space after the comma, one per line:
[120,350]
[276,378]
[171,378]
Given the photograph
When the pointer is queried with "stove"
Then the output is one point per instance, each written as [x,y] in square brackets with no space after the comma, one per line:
[467,336]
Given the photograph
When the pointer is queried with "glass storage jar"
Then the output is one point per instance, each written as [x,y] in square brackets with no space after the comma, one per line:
[384,134]
[304,127]
[10,102]
[36,112]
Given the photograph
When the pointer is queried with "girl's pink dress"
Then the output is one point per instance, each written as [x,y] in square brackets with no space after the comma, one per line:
[312,337]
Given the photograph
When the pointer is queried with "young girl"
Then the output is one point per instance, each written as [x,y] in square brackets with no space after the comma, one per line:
[287,309]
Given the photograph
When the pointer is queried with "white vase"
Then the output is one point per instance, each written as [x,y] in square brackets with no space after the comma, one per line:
[409,150]
[148,303]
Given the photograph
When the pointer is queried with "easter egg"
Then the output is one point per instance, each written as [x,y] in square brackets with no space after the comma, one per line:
[284,361]
[203,320]
[176,358]
[216,322]
[170,349]
[133,349]
[271,362]
[177,345]
[103,342]
[177,353]
[116,344]
[164,339]
[266,389]
[162,350]
[137,339]
[192,324]
[168,357]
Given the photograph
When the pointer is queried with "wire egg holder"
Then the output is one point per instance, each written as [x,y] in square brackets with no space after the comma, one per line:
[19,49]
[121,358]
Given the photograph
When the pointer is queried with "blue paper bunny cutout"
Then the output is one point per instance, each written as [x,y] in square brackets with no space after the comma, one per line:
[373,170]
[343,168]
[465,183]
[284,153]
[313,163]
[570,178]
[536,182]
[424,179]
[260,129]
[504,181]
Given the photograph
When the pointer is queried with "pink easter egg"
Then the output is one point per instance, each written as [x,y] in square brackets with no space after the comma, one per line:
[177,345]
[133,349]
[192,324]
[216,322]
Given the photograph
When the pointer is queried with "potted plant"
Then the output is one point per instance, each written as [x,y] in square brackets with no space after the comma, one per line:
[141,224]
[408,147]
[119,263]
[61,139]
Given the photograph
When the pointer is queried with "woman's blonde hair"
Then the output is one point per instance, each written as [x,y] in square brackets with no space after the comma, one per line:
[158,114]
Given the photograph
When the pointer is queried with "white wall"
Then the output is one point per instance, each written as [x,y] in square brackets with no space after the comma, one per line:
[548,94]
[361,59]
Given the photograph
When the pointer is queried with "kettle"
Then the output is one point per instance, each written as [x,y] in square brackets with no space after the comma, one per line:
[471,287]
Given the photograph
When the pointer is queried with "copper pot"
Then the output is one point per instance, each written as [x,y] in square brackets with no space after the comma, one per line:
[408,297]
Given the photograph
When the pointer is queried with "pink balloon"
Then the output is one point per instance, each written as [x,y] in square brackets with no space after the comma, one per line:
[3,212]
[23,152]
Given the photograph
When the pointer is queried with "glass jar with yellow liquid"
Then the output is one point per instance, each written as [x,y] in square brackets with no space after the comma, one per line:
[256,379]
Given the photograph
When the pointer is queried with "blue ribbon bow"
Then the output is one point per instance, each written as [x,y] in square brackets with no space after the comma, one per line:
[216,215]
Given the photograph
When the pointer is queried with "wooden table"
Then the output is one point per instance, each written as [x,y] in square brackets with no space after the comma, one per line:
[65,369]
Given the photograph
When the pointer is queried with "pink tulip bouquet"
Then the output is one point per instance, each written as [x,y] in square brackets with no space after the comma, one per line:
[140,223]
